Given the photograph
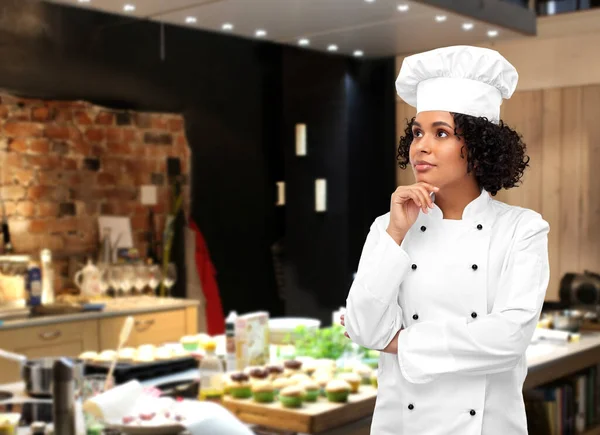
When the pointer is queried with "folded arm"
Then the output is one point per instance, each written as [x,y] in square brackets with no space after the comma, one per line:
[495,342]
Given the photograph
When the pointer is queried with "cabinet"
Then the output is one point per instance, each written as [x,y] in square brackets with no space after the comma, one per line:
[70,338]
[149,328]
[59,339]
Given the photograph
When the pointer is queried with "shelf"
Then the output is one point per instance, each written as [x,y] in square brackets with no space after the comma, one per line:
[593,431]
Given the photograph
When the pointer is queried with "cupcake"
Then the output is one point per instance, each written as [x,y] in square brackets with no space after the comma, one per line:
[144,356]
[226,382]
[127,354]
[291,397]
[365,372]
[280,383]
[275,371]
[90,355]
[263,391]
[374,379]
[106,356]
[240,387]
[163,354]
[322,381]
[189,342]
[258,374]
[292,367]
[299,378]
[312,390]
[337,391]
[352,379]
[309,367]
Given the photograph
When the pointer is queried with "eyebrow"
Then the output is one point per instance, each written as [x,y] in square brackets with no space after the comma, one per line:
[435,124]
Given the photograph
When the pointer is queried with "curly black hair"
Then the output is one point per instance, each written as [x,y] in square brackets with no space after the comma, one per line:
[495,152]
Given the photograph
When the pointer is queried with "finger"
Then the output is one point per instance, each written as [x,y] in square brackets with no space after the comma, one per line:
[420,193]
[425,194]
[346,334]
[342,320]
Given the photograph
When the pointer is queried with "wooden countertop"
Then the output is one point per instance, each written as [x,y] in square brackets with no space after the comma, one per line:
[114,307]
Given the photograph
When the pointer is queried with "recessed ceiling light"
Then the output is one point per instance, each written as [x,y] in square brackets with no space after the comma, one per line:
[467,26]
[332,47]
[190,20]
[260,33]
[129,7]
[440,18]
[402,8]
[83,1]
[358,53]
[227,26]
[303,42]
[492,33]
[370,1]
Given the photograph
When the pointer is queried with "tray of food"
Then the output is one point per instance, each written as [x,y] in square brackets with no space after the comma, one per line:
[144,362]
[308,396]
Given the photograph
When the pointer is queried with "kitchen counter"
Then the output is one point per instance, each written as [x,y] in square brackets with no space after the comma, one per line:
[124,306]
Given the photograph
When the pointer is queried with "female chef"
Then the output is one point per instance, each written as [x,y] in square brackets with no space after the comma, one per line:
[451,282]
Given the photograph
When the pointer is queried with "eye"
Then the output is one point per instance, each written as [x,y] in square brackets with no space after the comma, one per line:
[442,133]
[417,133]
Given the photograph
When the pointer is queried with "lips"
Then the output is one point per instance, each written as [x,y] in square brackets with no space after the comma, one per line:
[422,165]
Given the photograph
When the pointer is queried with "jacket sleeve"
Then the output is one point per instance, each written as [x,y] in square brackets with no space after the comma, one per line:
[493,343]
[373,316]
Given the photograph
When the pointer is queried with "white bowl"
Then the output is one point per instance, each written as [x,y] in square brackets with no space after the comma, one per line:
[281,327]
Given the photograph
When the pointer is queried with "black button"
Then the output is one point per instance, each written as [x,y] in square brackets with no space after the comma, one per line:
[414,267]
[472,412]
[479,226]
[423,228]
[473,314]
[474,267]
[415,317]
[411,407]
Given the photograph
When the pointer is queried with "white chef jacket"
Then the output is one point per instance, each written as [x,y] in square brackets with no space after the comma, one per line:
[468,294]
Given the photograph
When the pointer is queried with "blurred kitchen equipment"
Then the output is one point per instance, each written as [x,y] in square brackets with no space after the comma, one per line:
[581,290]
[37,372]
[88,280]
[63,395]
[13,272]
[567,320]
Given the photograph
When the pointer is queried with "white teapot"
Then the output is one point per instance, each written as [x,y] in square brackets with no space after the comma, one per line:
[88,280]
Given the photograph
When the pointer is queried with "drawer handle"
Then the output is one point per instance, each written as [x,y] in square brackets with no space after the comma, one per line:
[143,325]
[50,335]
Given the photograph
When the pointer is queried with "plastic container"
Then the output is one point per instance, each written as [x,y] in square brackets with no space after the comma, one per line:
[212,374]
[230,341]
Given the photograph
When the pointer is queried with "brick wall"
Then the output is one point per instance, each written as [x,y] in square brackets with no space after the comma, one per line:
[62,164]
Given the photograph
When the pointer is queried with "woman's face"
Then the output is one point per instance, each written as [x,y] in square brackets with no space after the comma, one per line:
[436,153]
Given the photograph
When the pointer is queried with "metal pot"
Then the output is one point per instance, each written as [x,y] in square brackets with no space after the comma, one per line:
[567,320]
[37,373]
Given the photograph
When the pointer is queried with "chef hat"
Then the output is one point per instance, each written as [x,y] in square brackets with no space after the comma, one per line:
[460,79]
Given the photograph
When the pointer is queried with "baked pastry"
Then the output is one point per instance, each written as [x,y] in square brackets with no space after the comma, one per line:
[280,383]
[291,397]
[163,354]
[322,381]
[337,391]
[299,378]
[365,372]
[263,391]
[258,374]
[374,379]
[312,390]
[275,371]
[353,380]
[239,386]
[189,342]
[106,356]
[292,367]
[88,355]
[127,354]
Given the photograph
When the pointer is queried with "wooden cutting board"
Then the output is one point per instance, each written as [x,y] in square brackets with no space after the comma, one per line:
[312,418]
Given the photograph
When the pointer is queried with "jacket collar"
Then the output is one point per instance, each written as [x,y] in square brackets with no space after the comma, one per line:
[474,211]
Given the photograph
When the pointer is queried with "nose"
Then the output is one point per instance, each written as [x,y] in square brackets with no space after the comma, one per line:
[423,145]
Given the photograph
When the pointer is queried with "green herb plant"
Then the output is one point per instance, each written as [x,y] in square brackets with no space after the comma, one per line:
[327,342]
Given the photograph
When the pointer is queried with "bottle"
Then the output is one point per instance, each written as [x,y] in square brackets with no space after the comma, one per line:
[230,341]
[34,284]
[211,375]
[47,277]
